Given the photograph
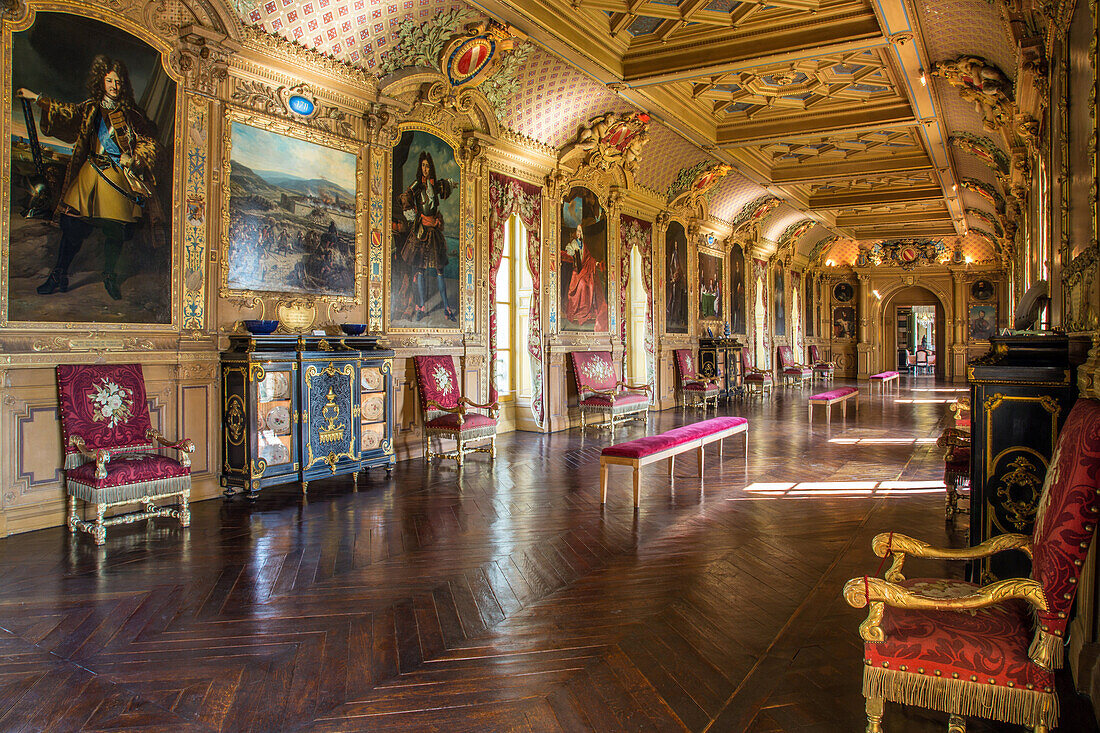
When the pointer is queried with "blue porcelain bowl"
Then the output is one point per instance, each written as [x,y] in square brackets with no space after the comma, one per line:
[353,329]
[260,327]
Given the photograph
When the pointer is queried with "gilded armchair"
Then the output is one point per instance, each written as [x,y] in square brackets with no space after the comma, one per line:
[695,389]
[758,380]
[790,371]
[986,651]
[445,412]
[602,393]
[110,444]
[821,369]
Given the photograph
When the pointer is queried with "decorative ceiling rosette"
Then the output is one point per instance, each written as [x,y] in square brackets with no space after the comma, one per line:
[984,149]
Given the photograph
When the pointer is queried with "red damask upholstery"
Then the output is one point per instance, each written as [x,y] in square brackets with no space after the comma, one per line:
[993,652]
[792,371]
[752,376]
[601,392]
[821,369]
[109,441]
[701,391]
[440,392]
[650,444]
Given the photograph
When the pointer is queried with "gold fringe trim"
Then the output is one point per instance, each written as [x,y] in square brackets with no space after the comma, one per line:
[962,697]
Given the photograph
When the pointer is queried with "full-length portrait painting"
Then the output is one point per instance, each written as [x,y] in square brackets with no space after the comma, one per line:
[676,283]
[779,298]
[711,287]
[425,221]
[737,289]
[583,275]
[92,146]
[291,205]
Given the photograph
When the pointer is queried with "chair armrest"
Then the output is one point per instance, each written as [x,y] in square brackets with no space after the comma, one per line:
[610,393]
[900,546]
[492,407]
[878,593]
[101,456]
[185,447]
[433,405]
[636,387]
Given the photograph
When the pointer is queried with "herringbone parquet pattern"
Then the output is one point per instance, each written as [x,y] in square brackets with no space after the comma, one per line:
[506,599]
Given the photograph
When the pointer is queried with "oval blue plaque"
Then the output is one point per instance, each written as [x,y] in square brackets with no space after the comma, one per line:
[300,105]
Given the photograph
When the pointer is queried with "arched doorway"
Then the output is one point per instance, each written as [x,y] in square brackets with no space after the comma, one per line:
[898,318]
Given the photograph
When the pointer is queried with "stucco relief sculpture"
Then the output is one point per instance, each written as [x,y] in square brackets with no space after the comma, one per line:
[983,84]
[608,140]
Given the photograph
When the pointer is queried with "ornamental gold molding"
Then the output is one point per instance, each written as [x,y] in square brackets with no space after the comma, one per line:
[275,101]
[292,55]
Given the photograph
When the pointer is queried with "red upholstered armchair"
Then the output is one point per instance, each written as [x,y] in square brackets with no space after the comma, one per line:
[758,380]
[110,445]
[821,369]
[444,410]
[601,392]
[986,651]
[790,371]
[694,389]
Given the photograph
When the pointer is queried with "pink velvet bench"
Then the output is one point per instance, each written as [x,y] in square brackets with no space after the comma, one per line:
[652,448]
[882,378]
[830,398]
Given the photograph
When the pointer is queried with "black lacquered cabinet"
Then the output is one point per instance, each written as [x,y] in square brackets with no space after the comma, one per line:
[1020,395]
[302,408]
[720,360]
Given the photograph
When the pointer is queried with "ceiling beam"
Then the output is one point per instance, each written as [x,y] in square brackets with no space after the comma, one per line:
[862,117]
[930,229]
[859,221]
[709,52]
[849,169]
[845,199]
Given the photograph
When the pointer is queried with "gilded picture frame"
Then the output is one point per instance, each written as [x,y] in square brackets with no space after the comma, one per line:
[712,302]
[464,234]
[175,178]
[299,133]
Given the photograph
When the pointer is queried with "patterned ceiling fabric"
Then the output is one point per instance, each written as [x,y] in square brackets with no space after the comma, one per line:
[731,195]
[953,28]
[359,32]
[967,166]
[975,246]
[774,226]
[664,156]
[811,238]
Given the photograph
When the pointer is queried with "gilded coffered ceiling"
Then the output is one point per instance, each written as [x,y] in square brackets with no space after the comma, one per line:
[831,105]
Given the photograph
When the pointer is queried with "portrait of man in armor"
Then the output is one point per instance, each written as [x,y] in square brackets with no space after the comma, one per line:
[92,136]
[425,222]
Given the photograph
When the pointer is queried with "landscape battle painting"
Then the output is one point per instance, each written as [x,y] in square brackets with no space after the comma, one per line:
[291,215]
[92,140]
[425,223]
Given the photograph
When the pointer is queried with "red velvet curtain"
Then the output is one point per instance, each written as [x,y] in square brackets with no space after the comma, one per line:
[508,196]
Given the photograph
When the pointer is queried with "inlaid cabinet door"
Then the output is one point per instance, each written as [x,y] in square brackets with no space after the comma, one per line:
[330,405]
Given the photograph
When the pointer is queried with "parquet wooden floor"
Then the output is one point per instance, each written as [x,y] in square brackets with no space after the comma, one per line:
[506,599]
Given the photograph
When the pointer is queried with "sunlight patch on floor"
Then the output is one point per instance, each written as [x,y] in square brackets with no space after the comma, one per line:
[883,441]
[855,489]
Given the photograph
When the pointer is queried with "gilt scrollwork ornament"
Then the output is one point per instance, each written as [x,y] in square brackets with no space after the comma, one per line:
[280,101]
[1019,492]
[204,59]
[607,140]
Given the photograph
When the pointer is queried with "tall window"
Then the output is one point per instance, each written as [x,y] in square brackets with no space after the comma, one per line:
[636,313]
[513,307]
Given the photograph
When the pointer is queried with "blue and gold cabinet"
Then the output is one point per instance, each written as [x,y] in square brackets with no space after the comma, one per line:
[330,416]
[303,408]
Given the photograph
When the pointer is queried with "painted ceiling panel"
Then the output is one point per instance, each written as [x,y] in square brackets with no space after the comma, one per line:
[958,113]
[954,28]
[731,195]
[360,32]
[554,99]
[774,226]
